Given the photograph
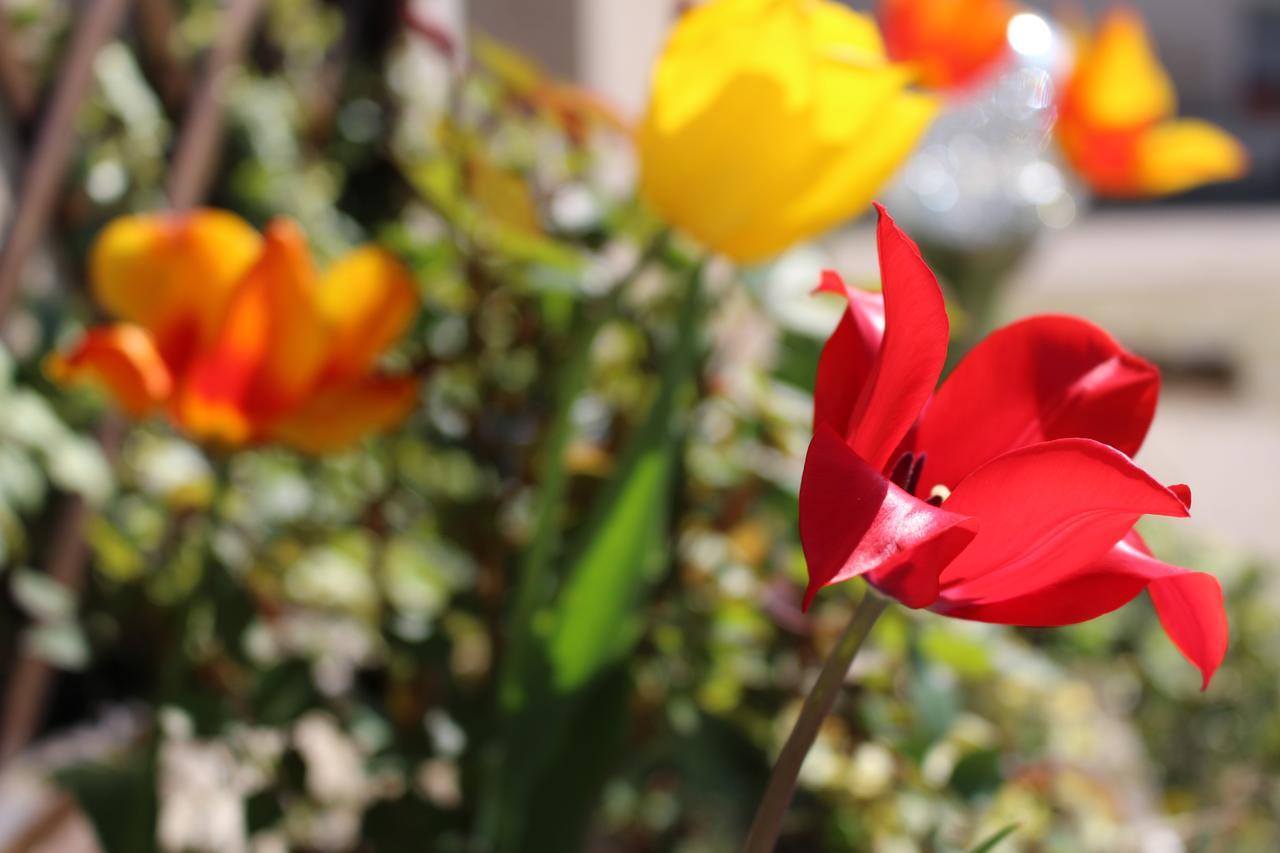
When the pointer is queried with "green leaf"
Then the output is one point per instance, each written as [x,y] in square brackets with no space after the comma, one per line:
[990,844]
[596,620]
[977,773]
[562,719]
[592,737]
[597,617]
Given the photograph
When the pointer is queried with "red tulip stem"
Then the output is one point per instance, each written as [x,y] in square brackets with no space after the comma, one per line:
[767,825]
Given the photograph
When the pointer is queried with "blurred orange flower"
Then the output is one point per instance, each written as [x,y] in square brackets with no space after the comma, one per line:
[950,42]
[1116,123]
[238,337]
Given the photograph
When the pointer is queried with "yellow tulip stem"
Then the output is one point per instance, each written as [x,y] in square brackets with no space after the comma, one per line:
[767,825]
[534,582]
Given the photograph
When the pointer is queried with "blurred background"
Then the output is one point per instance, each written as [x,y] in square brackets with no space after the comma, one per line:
[1140,268]
[266,651]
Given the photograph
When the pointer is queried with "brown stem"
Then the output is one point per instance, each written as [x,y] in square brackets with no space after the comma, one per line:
[196,153]
[54,144]
[767,826]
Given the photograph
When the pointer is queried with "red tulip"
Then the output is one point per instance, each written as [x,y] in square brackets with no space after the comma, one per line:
[1008,495]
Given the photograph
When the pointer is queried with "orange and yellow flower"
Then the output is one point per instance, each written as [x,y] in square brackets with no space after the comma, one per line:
[237,336]
[951,43]
[1116,124]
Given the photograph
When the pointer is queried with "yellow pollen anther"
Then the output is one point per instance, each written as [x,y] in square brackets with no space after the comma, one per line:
[940,491]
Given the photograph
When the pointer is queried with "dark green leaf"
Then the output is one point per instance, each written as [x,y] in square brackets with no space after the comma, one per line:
[118,798]
[977,773]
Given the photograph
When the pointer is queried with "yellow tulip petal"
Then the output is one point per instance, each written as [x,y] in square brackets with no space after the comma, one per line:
[731,100]
[337,418]
[855,82]
[842,35]
[368,300]
[715,43]
[851,176]
[752,102]
[121,359]
[1118,81]
[1178,155]
[172,274]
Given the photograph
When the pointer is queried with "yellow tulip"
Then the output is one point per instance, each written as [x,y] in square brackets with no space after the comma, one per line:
[239,338]
[1116,123]
[770,121]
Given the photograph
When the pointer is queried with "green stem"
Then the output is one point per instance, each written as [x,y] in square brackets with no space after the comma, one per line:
[534,581]
[534,578]
[767,825]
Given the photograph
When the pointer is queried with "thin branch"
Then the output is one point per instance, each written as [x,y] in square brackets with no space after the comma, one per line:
[54,144]
[200,141]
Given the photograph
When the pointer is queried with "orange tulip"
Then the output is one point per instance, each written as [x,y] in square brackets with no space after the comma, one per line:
[950,42]
[236,336]
[1116,124]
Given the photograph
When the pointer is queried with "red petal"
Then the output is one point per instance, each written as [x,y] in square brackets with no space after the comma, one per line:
[1066,601]
[853,521]
[1047,512]
[911,354]
[1189,604]
[1037,380]
[849,354]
